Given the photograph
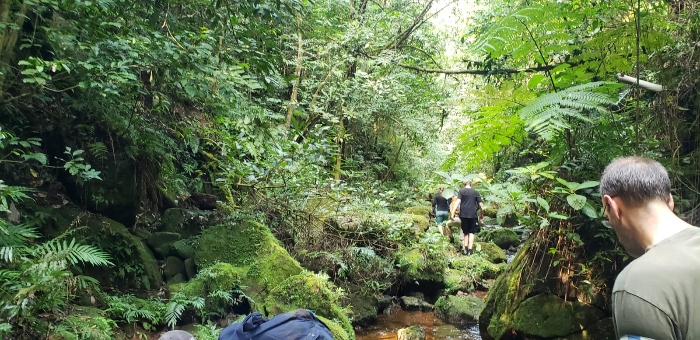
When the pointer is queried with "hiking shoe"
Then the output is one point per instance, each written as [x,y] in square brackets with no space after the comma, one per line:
[464,252]
[470,251]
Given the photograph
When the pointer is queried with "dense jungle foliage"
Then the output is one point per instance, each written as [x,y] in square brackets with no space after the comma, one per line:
[311,127]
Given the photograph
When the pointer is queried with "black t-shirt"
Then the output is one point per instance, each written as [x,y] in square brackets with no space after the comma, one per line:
[441,203]
[469,204]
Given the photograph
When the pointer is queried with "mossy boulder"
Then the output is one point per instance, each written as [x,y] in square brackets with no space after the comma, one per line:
[458,309]
[477,267]
[364,309]
[182,249]
[421,210]
[458,281]
[272,267]
[134,263]
[502,237]
[548,316]
[338,332]
[491,251]
[308,291]
[411,333]
[173,266]
[162,242]
[236,243]
[190,268]
[221,277]
[417,264]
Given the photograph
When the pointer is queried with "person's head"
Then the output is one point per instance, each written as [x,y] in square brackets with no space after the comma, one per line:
[467,183]
[633,183]
[441,189]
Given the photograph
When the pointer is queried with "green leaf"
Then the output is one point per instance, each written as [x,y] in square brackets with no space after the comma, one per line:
[535,80]
[587,184]
[190,90]
[543,203]
[576,201]
[590,211]
[558,216]
[40,157]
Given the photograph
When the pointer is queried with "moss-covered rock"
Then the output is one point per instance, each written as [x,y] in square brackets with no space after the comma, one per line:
[491,251]
[173,266]
[548,316]
[236,243]
[421,210]
[134,263]
[183,249]
[502,237]
[411,333]
[338,332]
[364,309]
[308,291]
[162,242]
[417,264]
[221,277]
[272,266]
[190,268]
[458,281]
[458,309]
[410,303]
[177,278]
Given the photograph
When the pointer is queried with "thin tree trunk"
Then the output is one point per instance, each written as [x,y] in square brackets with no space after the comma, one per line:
[396,159]
[341,142]
[8,37]
[297,73]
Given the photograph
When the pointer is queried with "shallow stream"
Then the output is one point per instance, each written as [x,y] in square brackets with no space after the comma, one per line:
[388,325]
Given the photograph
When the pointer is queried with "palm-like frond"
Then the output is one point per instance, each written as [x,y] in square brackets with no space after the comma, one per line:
[549,114]
[57,250]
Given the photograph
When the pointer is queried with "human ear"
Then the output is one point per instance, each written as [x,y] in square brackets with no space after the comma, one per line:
[670,202]
[613,207]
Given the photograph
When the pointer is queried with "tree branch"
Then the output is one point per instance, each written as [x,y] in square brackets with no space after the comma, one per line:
[479,72]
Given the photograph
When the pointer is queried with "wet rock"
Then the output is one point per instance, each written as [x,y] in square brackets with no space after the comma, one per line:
[410,303]
[458,309]
[411,333]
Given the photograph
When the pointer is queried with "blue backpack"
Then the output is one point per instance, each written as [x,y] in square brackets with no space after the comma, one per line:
[297,325]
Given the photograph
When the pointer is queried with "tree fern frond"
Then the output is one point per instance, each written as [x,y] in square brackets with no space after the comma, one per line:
[55,250]
[545,115]
[174,311]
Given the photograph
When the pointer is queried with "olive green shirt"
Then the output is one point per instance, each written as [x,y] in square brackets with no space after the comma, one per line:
[658,295]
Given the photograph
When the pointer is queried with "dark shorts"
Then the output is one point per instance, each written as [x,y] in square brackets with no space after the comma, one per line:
[469,225]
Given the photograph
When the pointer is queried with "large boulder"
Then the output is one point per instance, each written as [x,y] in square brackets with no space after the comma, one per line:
[458,309]
[502,237]
[519,301]
[162,243]
[269,275]
[416,264]
[134,263]
[364,309]
[308,291]
[491,251]
[218,278]
[548,316]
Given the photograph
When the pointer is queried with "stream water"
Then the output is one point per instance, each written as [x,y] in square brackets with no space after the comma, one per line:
[388,325]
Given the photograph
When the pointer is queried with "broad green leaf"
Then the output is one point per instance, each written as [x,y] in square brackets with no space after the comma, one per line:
[535,80]
[590,211]
[40,157]
[587,184]
[543,203]
[190,90]
[576,201]
[558,216]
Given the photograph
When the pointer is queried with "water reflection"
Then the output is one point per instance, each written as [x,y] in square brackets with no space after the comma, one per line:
[388,325]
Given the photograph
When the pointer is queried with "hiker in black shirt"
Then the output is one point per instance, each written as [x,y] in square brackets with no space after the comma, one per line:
[469,201]
[441,209]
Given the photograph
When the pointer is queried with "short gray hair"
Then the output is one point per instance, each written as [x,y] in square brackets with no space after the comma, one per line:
[636,180]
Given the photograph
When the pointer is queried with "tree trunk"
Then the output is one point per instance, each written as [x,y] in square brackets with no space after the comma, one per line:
[297,73]
[8,37]
[341,143]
